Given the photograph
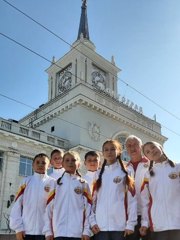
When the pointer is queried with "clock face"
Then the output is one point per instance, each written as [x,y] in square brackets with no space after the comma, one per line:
[65,81]
[98,80]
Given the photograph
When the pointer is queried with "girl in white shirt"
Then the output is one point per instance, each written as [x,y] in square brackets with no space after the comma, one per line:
[160,195]
[114,210]
[69,204]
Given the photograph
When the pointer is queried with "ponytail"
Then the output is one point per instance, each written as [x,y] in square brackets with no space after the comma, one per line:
[129,180]
[77,173]
[171,163]
[151,172]
[99,180]
[59,179]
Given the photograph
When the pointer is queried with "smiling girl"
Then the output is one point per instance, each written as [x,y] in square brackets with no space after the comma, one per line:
[160,195]
[114,210]
[69,204]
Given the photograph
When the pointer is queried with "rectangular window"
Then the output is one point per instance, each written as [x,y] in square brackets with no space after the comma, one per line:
[36,134]
[60,143]
[1,160]
[25,166]
[50,139]
[24,131]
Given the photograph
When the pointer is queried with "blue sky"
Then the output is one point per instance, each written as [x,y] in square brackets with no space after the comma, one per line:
[142,35]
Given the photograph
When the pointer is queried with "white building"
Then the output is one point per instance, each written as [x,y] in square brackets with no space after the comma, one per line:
[83,110]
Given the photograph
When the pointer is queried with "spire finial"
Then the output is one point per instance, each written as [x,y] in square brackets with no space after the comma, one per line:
[112,60]
[83,26]
[53,60]
[84,3]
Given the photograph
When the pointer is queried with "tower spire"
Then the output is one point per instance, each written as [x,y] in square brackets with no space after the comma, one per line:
[83,26]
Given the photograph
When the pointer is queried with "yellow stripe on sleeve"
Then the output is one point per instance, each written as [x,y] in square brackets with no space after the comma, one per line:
[20,191]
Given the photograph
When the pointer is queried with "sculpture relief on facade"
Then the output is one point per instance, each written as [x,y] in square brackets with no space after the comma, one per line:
[94,131]
[98,78]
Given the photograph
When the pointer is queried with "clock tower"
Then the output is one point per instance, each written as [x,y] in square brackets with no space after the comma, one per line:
[83,102]
[82,64]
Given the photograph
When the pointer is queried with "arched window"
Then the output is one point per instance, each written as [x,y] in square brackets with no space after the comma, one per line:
[121,138]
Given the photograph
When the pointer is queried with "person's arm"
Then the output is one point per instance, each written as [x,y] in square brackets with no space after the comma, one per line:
[84,237]
[143,231]
[145,200]
[48,228]
[95,229]
[50,237]
[87,205]
[130,195]
[16,222]
[92,219]
[20,235]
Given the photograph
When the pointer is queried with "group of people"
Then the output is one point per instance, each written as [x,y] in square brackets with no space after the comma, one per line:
[112,201]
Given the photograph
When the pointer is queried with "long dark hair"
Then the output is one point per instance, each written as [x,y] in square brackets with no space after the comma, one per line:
[129,180]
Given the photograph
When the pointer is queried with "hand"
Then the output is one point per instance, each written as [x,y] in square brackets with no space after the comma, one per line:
[20,235]
[85,237]
[143,231]
[128,232]
[95,229]
[50,237]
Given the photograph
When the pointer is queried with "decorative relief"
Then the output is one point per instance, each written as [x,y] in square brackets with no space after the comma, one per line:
[94,131]
[98,78]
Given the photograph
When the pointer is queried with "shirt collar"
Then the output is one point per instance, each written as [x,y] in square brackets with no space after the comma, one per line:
[38,175]
[57,170]
[112,166]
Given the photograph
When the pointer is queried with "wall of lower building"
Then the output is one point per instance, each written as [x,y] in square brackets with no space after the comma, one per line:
[13,147]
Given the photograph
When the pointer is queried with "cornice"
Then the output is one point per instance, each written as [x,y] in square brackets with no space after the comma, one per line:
[15,137]
[104,110]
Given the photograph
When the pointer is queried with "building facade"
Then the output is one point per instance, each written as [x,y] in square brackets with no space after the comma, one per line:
[83,110]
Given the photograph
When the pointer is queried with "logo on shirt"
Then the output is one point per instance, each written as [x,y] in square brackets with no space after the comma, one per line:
[47,188]
[78,190]
[146,165]
[173,175]
[117,180]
